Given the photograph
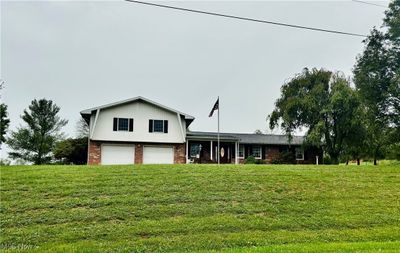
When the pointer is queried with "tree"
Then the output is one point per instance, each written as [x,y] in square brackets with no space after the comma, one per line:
[4,122]
[258,131]
[35,141]
[72,151]
[377,80]
[322,102]
[82,128]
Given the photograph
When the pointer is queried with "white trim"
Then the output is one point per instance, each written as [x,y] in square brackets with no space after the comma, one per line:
[187,151]
[211,151]
[181,126]
[89,111]
[236,152]
[94,124]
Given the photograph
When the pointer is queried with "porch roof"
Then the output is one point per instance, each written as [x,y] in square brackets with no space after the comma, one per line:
[246,138]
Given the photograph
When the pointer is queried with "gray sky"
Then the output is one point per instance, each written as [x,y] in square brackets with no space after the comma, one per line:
[84,54]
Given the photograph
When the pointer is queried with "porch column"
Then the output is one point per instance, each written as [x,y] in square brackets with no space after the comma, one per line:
[187,151]
[211,151]
[236,152]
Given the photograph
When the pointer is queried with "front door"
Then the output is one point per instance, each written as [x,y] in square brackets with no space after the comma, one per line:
[225,153]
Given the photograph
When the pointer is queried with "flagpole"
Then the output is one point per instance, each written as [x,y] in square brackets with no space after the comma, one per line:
[219,150]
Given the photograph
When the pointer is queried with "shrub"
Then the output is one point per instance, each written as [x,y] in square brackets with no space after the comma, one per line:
[285,157]
[250,160]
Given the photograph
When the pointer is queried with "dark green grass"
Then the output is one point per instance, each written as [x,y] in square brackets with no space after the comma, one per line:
[198,208]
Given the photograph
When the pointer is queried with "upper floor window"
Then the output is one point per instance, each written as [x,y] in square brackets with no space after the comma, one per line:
[241,151]
[299,154]
[123,124]
[256,152]
[158,126]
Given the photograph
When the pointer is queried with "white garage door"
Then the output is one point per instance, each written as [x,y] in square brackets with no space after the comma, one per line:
[158,155]
[117,154]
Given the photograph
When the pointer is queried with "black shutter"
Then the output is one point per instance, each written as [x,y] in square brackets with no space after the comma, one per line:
[165,126]
[150,125]
[130,125]
[115,124]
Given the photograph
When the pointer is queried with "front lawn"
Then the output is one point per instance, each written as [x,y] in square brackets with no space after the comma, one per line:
[200,208]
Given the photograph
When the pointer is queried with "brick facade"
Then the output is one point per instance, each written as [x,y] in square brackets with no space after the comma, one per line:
[180,153]
[271,153]
[139,153]
[94,153]
[94,156]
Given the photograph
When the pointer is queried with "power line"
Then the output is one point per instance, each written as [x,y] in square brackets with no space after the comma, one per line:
[247,19]
[374,4]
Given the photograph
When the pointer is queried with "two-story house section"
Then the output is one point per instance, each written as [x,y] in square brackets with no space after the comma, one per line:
[136,130]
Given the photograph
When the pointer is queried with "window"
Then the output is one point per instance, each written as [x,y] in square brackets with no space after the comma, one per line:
[241,151]
[299,154]
[158,126]
[195,150]
[123,124]
[256,152]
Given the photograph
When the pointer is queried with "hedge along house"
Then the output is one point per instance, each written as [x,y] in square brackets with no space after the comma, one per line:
[138,130]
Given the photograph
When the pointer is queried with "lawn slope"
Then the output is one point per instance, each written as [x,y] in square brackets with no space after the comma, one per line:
[200,208]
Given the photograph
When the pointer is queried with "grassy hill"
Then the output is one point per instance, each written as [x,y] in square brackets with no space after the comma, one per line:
[199,208]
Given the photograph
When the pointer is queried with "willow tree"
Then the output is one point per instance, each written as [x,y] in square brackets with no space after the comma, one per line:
[323,103]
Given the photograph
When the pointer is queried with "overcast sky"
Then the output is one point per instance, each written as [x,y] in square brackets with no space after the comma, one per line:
[85,54]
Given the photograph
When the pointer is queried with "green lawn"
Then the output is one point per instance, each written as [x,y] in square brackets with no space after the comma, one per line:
[200,208]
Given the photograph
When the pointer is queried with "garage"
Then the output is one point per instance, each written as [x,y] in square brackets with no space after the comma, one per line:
[117,154]
[158,155]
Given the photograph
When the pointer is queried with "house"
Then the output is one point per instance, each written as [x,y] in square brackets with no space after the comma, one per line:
[138,130]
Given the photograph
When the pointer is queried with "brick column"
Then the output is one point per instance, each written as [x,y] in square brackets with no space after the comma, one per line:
[94,153]
[138,153]
[179,153]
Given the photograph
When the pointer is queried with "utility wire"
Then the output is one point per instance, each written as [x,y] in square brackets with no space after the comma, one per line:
[364,2]
[247,19]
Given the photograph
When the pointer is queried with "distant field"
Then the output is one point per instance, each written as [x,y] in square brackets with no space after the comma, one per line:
[200,208]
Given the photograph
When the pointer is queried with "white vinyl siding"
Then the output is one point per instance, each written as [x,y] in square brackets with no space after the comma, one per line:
[142,112]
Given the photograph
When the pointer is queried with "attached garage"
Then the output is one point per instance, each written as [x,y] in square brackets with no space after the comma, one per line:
[117,154]
[158,155]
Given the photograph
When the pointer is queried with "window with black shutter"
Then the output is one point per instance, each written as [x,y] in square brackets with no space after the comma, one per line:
[158,126]
[123,124]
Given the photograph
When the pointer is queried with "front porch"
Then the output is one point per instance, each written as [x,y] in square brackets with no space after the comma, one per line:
[204,149]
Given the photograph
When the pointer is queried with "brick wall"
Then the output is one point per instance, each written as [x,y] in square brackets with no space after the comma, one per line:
[180,153]
[138,153]
[271,153]
[94,156]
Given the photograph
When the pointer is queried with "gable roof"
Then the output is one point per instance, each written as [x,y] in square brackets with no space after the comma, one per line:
[88,112]
[247,138]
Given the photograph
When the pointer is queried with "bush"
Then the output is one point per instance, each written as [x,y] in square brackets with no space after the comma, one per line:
[285,157]
[250,160]
[71,151]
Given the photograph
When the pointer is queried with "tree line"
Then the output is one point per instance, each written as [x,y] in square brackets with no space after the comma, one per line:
[360,121]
